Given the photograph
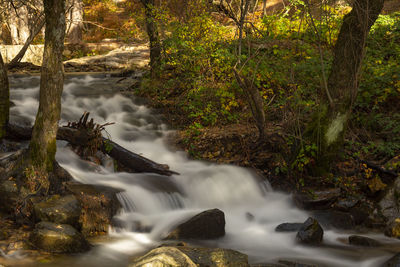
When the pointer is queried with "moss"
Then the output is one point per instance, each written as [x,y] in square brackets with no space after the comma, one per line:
[51,154]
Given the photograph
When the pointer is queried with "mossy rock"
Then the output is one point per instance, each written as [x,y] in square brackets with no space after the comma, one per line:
[57,209]
[58,238]
[191,257]
[310,233]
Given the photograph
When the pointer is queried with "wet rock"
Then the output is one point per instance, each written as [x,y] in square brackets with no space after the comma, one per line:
[191,257]
[363,241]
[8,196]
[334,219]
[390,202]
[99,204]
[288,263]
[393,229]
[250,217]
[393,261]
[317,200]
[205,225]
[346,204]
[288,227]
[57,209]
[310,233]
[361,212]
[58,238]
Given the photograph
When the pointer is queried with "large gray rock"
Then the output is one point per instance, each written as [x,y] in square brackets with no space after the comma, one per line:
[58,238]
[310,233]
[208,224]
[57,209]
[316,200]
[288,227]
[191,257]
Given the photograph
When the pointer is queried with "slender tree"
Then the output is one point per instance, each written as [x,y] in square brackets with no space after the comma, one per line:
[42,147]
[329,126]
[4,99]
[152,32]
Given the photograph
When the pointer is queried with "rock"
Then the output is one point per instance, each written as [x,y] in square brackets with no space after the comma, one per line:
[57,209]
[208,224]
[58,238]
[393,229]
[191,257]
[99,204]
[334,219]
[289,263]
[310,233]
[393,261]
[288,227]
[346,204]
[8,196]
[316,200]
[363,241]
[390,202]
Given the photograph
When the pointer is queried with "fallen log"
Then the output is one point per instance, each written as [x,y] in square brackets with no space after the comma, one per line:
[130,160]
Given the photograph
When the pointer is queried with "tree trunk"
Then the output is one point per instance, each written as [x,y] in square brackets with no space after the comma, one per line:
[75,22]
[43,143]
[152,32]
[4,99]
[329,125]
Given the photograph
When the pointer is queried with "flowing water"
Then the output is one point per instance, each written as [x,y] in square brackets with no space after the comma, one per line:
[157,203]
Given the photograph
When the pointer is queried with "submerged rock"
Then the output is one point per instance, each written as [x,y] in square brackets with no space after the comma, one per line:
[310,233]
[58,238]
[288,227]
[99,205]
[57,209]
[363,241]
[208,224]
[393,261]
[191,257]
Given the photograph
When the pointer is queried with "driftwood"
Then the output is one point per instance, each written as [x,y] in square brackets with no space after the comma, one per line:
[131,161]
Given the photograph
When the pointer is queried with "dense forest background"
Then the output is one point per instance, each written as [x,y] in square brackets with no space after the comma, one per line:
[246,82]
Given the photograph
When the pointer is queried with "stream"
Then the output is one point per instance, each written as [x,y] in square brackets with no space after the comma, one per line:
[158,203]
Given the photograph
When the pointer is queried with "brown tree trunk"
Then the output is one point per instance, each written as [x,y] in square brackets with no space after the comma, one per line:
[4,99]
[42,147]
[329,125]
[152,32]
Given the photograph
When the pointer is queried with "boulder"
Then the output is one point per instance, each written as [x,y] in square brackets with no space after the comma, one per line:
[58,238]
[191,257]
[288,227]
[393,229]
[57,209]
[99,205]
[363,241]
[317,200]
[390,202]
[334,219]
[8,196]
[393,261]
[208,224]
[310,232]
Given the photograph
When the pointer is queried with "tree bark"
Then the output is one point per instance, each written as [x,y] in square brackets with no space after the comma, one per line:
[329,125]
[4,99]
[43,147]
[152,32]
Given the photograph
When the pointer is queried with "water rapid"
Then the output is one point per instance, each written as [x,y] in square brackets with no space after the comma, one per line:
[157,203]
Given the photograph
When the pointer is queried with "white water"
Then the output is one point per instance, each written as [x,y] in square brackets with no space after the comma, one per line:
[159,203]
